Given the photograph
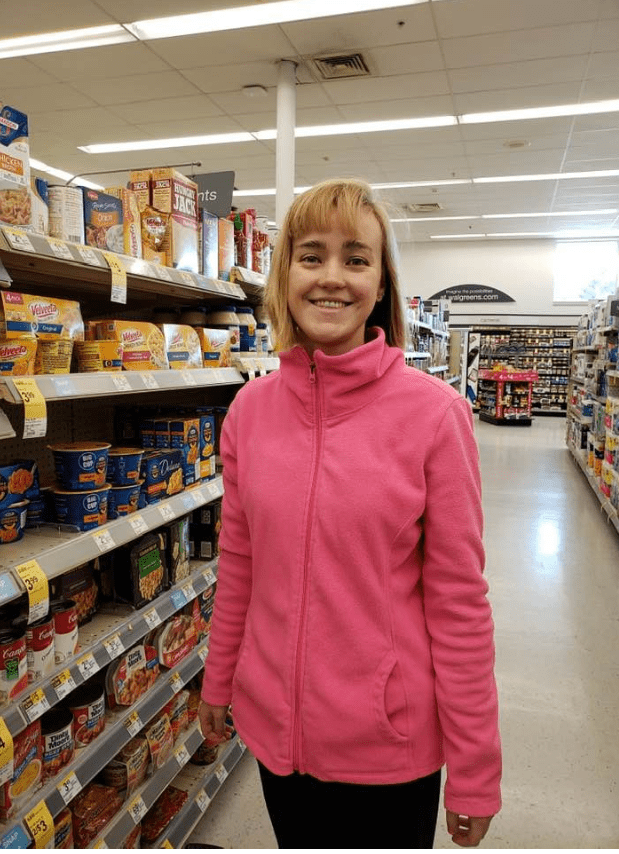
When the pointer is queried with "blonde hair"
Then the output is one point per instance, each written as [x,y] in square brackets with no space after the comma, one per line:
[312,211]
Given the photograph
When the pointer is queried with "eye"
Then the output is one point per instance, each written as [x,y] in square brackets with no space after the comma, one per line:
[358,261]
[310,259]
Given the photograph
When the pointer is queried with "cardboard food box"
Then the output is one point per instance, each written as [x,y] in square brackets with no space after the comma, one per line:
[182,346]
[15,200]
[140,570]
[226,248]
[185,436]
[139,183]
[209,245]
[162,474]
[132,230]
[215,344]
[207,446]
[103,220]
[143,344]
[162,433]
[177,549]
[204,531]
[26,316]
[173,193]
[39,203]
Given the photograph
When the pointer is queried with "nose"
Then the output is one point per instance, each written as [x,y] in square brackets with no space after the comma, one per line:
[332,273]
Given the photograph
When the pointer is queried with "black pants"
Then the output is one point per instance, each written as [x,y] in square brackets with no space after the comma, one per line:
[308,813]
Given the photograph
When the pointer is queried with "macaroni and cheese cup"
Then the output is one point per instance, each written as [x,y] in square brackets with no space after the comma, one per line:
[123,500]
[13,522]
[54,356]
[81,465]
[123,466]
[95,356]
[83,510]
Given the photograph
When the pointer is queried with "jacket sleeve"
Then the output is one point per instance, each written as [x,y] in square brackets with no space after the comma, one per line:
[233,578]
[459,618]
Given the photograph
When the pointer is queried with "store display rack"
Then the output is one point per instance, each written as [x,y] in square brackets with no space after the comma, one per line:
[505,397]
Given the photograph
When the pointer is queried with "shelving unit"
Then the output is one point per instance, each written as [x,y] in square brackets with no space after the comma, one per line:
[505,397]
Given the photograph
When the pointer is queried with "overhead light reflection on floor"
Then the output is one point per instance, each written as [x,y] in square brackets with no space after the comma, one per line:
[548,538]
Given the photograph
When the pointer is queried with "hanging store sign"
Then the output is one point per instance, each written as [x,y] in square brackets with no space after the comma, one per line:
[472,293]
[215,192]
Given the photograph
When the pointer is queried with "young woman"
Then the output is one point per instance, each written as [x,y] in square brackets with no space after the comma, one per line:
[352,634]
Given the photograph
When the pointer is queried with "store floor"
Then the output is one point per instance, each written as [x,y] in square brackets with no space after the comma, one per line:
[553,568]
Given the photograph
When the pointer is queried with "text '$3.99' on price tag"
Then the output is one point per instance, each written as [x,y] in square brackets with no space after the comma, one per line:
[37,588]
[35,408]
[119,277]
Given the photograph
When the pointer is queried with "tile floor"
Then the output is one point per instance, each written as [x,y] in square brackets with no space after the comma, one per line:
[553,568]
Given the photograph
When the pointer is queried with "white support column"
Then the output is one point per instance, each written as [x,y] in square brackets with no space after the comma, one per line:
[285,144]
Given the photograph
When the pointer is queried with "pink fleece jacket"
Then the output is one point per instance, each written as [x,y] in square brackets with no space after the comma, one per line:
[352,633]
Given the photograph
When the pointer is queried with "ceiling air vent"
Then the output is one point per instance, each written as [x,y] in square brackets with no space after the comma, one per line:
[424,207]
[341,65]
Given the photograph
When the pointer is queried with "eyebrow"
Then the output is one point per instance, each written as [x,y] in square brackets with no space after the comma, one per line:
[319,244]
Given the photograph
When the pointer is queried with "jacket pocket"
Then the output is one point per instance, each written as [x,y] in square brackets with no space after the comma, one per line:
[390,701]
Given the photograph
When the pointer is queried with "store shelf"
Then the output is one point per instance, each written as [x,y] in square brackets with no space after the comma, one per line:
[251,283]
[75,386]
[412,355]
[607,507]
[257,365]
[437,369]
[442,333]
[57,264]
[127,627]
[57,550]
[119,729]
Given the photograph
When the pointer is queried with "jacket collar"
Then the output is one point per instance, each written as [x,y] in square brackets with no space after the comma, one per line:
[344,383]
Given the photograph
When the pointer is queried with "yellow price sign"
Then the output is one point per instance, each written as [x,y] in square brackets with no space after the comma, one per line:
[41,825]
[35,408]
[119,277]
[6,753]
[167,844]
[37,587]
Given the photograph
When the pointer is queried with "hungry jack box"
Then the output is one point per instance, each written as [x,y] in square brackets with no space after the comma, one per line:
[173,193]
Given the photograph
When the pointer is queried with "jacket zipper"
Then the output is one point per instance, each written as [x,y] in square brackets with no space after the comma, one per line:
[297,728]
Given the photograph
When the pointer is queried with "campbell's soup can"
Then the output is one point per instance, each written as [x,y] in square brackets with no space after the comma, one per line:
[66,213]
[40,648]
[65,628]
[13,662]
[87,705]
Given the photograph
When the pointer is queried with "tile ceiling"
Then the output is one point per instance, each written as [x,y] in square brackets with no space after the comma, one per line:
[434,58]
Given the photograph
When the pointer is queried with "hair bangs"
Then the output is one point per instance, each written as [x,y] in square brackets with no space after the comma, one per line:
[315,209]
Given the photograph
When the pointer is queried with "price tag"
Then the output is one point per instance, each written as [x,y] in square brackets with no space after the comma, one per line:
[150,381]
[188,378]
[37,588]
[89,256]
[221,287]
[35,408]
[35,705]
[162,272]
[8,587]
[18,239]
[137,810]
[167,513]
[167,844]
[213,490]
[181,755]
[152,619]
[15,838]
[64,386]
[251,374]
[202,800]
[189,501]
[121,382]
[41,825]
[100,844]
[104,540]
[6,753]
[178,599]
[114,646]
[87,665]
[69,787]
[138,524]
[203,653]
[133,724]
[209,576]
[221,774]
[60,249]
[119,277]
[187,278]
[63,683]
[189,591]
[176,682]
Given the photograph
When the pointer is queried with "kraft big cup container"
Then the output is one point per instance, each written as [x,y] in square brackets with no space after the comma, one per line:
[81,465]
[123,466]
[13,521]
[83,510]
[123,500]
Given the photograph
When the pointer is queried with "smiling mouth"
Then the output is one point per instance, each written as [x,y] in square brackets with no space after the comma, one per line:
[329,303]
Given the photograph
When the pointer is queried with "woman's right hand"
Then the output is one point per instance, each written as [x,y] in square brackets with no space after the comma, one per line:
[212,722]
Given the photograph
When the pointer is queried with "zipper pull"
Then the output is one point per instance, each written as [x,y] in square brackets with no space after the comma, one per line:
[312,372]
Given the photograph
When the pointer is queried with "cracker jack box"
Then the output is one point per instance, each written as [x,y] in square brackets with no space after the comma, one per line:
[173,193]
[15,199]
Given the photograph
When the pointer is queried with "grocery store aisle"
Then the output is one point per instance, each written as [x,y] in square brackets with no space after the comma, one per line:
[553,568]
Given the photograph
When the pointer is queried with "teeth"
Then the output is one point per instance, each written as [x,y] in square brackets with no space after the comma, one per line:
[325,303]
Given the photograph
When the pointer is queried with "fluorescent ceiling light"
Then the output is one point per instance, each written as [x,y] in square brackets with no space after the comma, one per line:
[64,40]
[549,213]
[455,236]
[177,142]
[576,235]
[258,15]
[361,127]
[60,173]
[432,218]
[555,111]
[549,176]
[403,185]
[271,191]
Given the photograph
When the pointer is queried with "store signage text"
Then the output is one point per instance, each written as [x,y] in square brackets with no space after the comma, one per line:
[472,293]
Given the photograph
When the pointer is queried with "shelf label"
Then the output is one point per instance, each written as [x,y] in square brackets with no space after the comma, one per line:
[187,278]
[189,592]
[64,386]
[133,724]
[221,287]
[35,408]
[37,588]
[202,800]
[18,239]
[167,844]
[6,753]
[137,810]
[104,540]
[209,576]
[161,272]
[188,499]
[87,665]
[59,248]
[188,378]
[114,646]
[100,844]
[121,382]
[178,599]
[203,653]
[8,588]
[89,256]
[138,524]
[176,682]
[181,754]
[167,513]
[221,774]
[213,490]
[150,381]
[63,683]
[35,705]
[119,277]
[69,787]
[152,619]
[15,838]
[41,825]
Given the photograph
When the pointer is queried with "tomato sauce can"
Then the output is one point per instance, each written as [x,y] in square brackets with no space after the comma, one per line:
[87,705]
[65,628]
[58,742]
[13,662]
[40,648]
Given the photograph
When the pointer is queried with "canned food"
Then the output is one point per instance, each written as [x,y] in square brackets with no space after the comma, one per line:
[93,356]
[54,356]
[13,522]
[13,661]
[81,465]
[65,629]
[58,742]
[123,500]
[66,213]
[123,465]
[83,510]
[87,705]
[40,648]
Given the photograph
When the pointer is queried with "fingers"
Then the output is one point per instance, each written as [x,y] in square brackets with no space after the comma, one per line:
[467,831]
[212,722]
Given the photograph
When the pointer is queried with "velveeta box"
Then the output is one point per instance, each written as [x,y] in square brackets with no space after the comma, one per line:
[182,346]
[103,221]
[215,344]
[132,227]
[15,197]
[26,316]
[185,435]
[143,344]
[17,357]
[173,193]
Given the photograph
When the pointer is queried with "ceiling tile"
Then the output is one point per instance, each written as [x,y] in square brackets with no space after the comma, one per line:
[60,15]
[604,65]
[83,122]
[599,90]
[38,98]
[137,87]
[24,72]
[382,88]
[187,127]
[481,147]
[231,78]
[100,63]
[474,17]
[521,163]
[409,58]
[606,35]
[514,75]
[309,117]
[172,109]
[531,96]
[402,108]
[215,49]
[139,10]
[530,130]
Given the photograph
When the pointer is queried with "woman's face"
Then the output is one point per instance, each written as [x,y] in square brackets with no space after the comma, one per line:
[334,281]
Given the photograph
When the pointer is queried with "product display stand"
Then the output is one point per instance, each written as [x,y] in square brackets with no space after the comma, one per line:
[505,397]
